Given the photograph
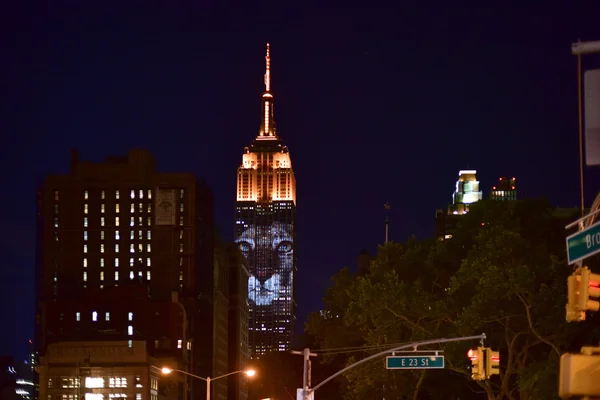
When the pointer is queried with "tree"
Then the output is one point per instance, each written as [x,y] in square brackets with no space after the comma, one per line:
[502,273]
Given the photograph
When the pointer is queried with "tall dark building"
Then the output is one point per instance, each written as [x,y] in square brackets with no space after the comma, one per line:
[505,189]
[238,322]
[126,281]
[265,229]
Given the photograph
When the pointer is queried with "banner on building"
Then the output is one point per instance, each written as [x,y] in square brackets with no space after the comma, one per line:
[164,207]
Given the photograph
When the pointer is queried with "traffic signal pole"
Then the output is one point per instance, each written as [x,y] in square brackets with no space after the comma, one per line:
[307,391]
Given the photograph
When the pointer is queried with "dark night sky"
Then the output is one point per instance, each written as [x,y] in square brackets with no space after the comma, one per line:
[374,105]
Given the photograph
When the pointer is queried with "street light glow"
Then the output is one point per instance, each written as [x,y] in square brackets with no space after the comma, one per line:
[251,372]
[166,370]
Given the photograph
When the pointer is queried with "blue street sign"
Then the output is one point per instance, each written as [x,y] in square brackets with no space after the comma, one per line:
[414,362]
[583,244]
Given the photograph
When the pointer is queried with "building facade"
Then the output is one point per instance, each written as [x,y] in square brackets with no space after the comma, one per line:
[265,229]
[127,256]
[505,189]
[466,192]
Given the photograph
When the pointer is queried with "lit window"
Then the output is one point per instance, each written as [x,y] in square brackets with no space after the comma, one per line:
[85,263]
[140,223]
[149,247]
[56,223]
[132,208]
[77,316]
[84,276]
[116,262]
[56,209]
[132,221]
[102,262]
[181,235]
[148,262]
[131,275]
[94,316]
[117,236]
[117,248]
[132,235]
[132,194]
[149,194]
[180,207]
[101,275]
[117,208]
[181,247]
[149,235]
[179,343]
[56,195]
[149,207]
[85,235]
[116,275]
[85,208]
[181,262]
[130,330]
[91,383]
[181,221]
[101,235]
[140,235]
[149,220]
[140,247]
[85,194]
[148,275]
[101,247]
[103,194]
[141,207]
[141,194]
[181,193]
[107,316]
[85,248]
[117,194]
[101,221]
[102,208]
[131,262]
[85,222]
[116,221]
[180,275]
[130,316]
[131,248]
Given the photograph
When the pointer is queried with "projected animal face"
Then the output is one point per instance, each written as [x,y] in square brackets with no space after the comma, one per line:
[270,253]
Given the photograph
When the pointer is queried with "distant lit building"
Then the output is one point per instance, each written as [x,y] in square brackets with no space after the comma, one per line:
[466,192]
[265,231]
[505,189]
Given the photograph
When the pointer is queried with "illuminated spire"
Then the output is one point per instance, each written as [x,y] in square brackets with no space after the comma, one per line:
[267,129]
[268,69]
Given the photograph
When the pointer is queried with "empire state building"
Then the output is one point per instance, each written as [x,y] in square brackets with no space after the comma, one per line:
[265,229]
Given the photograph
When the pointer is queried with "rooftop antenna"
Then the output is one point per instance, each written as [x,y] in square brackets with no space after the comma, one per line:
[387,207]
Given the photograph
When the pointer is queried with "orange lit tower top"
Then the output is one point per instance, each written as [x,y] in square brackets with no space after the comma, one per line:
[266,172]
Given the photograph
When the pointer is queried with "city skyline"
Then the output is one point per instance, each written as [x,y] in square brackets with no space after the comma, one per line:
[188,97]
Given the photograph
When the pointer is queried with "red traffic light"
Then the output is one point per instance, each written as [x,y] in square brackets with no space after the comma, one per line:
[472,355]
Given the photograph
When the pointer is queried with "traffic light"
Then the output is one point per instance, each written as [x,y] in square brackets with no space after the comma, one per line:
[582,285]
[492,362]
[477,360]
[588,287]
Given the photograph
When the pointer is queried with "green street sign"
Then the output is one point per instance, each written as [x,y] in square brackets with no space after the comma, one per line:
[583,244]
[414,362]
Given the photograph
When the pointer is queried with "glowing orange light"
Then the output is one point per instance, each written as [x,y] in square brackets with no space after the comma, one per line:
[472,355]
[500,178]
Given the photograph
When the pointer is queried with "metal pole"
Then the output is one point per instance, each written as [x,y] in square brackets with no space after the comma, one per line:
[414,345]
[208,388]
[580,133]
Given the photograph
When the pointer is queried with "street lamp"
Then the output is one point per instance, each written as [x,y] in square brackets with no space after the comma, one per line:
[208,379]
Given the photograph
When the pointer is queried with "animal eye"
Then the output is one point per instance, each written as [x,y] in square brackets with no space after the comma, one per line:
[284,247]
